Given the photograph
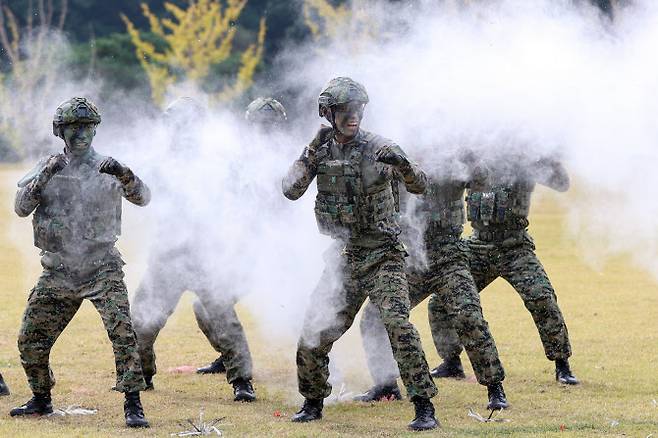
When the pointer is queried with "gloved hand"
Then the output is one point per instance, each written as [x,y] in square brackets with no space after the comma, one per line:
[54,164]
[323,135]
[391,154]
[112,167]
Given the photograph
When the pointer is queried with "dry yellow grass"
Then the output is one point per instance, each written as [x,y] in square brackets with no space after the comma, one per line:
[612,316]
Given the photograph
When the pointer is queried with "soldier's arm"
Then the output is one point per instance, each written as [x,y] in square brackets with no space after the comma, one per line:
[300,175]
[303,170]
[552,173]
[404,169]
[31,185]
[27,199]
[134,189]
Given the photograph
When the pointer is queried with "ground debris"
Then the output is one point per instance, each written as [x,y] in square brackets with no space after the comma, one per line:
[654,403]
[201,428]
[73,410]
[490,419]
[613,423]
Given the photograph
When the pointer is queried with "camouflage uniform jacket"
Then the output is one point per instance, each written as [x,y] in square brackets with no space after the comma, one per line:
[373,177]
[78,211]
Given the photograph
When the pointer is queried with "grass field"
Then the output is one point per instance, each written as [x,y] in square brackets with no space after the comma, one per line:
[612,316]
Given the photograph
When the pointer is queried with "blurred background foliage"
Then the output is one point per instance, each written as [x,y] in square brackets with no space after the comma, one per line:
[104,48]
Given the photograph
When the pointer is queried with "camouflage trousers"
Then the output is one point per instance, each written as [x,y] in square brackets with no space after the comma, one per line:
[166,280]
[454,298]
[377,273]
[517,263]
[52,304]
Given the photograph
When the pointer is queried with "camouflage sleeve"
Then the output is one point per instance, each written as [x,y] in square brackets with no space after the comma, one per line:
[30,186]
[134,189]
[28,198]
[553,174]
[300,175]
[412,176]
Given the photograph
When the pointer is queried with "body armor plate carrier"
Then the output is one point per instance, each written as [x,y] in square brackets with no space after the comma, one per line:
[84,206]
[343,208]
[501,205]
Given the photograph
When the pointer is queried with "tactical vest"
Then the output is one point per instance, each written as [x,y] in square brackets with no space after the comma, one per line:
[343,208]
[79,205]
[501,205]
[442,212]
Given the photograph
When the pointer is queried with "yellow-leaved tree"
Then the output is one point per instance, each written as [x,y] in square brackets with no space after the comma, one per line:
[327,22]
[195,39]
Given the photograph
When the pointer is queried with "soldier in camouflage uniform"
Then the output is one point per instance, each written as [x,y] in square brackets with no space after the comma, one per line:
[501,247]
[262,113]
[444,275]
[179,262]
[4,389]
[76,200]
[355,205]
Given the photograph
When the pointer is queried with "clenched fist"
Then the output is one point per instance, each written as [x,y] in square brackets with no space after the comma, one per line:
[112,167]
[390,154]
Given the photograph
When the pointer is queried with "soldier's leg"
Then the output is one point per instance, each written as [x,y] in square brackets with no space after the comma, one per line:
[331,311]
[387,288]
[153,303]
[49,310]
[457,299]
[522,269]
[219,322]
[111,301]
[445,337]
[379,355]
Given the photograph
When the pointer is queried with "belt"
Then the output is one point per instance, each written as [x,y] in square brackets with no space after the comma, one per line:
[497,235]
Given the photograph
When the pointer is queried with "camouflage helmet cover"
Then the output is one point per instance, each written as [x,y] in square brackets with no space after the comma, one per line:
[341,90]
[265,110]
[76,109]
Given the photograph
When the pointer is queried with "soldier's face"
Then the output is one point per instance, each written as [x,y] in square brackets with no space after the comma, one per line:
[347,118]
[78,137]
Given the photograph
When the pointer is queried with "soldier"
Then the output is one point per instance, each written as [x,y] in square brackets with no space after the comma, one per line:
[446,278]
[501,247]
[4,389]
[355,205]
[76,200]
[262,113]
[178,262]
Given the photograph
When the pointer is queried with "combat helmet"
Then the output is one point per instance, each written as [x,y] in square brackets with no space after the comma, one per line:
[338,91]
[185,110]
[266,111]
[76,109]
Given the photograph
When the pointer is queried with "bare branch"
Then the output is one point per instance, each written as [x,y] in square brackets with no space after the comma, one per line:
[3,34]
[42,13]
[28,18]
[49,13]
[62,14]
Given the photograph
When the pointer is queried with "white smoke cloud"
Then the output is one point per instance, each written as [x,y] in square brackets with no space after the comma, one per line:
[538,77]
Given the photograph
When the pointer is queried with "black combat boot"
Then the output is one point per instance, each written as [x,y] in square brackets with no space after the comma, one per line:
[39,404]
[425,419]
[148,379]
[311,410]
[216,367]
[243,390]
[132,408]
[563,372]
[4,389]
[449,368]
[497,398]
[380,393]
